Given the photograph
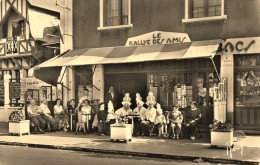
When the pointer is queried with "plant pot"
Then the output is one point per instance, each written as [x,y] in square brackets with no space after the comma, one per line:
[19,127]
[221,138]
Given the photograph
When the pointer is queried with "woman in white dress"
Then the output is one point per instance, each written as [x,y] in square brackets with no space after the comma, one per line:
[59,113]
[86,111]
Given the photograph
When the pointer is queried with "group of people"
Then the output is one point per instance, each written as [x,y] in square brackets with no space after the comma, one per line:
[102,115]
[145,120]
[41,116]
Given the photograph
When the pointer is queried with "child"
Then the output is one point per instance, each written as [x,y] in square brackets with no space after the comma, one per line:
[176,118]
[160,120]
[111,117]
[101,116]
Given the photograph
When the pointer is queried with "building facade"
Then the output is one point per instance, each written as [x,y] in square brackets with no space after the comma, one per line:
[110,23]
[26,30]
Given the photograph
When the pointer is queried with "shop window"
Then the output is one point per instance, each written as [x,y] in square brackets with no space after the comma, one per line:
[247,87]
[115,14]
[247,61]
[201,10]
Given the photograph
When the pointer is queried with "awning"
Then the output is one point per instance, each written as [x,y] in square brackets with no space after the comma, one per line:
[48,75]
[115,55]
[39,21]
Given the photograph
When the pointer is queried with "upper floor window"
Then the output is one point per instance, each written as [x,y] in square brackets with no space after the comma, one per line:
[204,10]
[18,29]
[115,14]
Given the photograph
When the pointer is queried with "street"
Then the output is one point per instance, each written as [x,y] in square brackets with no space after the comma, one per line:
[15,155]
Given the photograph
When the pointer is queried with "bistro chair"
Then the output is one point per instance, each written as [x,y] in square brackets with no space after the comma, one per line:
[80,123]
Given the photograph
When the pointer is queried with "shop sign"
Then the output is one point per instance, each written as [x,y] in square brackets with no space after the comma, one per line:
[241,45]
[158,38]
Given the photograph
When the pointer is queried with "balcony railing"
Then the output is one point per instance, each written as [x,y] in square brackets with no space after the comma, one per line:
[12,46]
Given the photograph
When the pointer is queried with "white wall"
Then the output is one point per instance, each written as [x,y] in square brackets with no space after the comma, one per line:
[66,24]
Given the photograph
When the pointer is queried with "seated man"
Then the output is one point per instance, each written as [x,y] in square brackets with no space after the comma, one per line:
[175,118]
[125,110]
[34,114]
[193,116]
[147,123]
[54,123]
[139,110]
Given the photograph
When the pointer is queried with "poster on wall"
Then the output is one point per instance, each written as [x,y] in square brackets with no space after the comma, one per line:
[35,84]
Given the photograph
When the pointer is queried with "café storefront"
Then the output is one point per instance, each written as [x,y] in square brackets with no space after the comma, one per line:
[175,69]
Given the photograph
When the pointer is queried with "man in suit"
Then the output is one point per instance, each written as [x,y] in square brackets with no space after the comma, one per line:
[110,96]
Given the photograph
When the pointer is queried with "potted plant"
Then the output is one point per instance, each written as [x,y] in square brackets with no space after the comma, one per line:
[18,124]
[221,133]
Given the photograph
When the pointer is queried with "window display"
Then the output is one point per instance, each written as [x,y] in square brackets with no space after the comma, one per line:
[247,87]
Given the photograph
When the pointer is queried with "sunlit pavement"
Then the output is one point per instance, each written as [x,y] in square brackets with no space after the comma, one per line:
[140,145]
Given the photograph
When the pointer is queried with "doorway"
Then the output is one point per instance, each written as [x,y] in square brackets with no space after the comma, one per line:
[131,83]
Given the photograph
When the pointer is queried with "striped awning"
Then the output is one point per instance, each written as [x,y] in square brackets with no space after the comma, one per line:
[115,55]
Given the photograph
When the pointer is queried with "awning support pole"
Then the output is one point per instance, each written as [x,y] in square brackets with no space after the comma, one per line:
[94,70]
[83,77]
[215,67]
[64,86]
[63,74]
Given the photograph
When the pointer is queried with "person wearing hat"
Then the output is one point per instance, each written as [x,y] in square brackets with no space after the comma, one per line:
[125,110]
[160,120]
[193,116]
[139,110]
[150,114]
[175,118]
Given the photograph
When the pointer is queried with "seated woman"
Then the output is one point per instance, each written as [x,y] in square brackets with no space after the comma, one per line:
[59,114]
[54,123]
[86,112]
[72,109]
[193,117]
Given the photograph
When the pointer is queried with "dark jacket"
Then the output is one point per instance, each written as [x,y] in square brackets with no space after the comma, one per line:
[72,109]
[194,115]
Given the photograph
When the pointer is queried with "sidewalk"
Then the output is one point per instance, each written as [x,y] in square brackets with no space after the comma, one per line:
[140,146]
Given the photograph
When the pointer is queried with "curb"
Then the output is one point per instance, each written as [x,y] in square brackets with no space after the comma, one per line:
[129,153]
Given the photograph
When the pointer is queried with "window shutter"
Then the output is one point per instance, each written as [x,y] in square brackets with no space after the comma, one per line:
[125,12]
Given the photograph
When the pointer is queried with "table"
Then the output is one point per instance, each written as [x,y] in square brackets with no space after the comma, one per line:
[71,114]
[132,117]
